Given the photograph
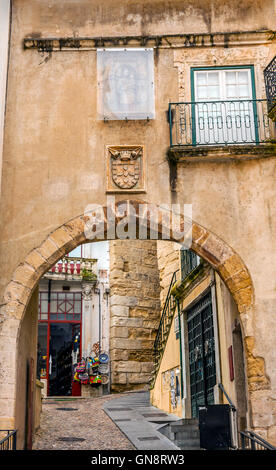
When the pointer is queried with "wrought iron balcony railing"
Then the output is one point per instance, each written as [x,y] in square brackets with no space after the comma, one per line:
[270,82]
[219,123]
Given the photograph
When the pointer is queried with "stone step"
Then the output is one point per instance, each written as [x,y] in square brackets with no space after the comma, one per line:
[178,426]
[186,434]
[187,446]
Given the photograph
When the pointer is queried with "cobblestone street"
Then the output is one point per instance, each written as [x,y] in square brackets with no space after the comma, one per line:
[84,421]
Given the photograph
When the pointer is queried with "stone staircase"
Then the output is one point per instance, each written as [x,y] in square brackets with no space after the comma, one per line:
[184,433]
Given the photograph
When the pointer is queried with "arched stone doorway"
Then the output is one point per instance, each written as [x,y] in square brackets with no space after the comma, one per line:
[65,238]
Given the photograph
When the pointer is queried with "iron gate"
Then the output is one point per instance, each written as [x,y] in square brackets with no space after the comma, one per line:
[202,358]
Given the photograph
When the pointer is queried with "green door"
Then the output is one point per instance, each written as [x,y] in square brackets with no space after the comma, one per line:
[202,358]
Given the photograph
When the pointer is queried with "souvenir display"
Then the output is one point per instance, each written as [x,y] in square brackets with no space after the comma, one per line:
[105,379]
[103,368]
[103,358]
[95,380]
[93,370]
[81,367]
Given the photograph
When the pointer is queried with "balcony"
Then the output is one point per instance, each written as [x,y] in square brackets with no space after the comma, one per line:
[219,123]
[73,268]
[270,87]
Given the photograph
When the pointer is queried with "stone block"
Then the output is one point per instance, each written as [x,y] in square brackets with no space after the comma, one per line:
[127,366]
[61,237]
[119,355]
[13,309]
[49,251]
[119,378]
[119,311]
[239,281]
[119,332]
[123,300]
[131,322]
[198,233]
[142,355]
[76,229]
[243,297]
[147,367]
[9,328]
[26,275]
[125,343]
[152,324]
[143,333]
[134,378]
[17,292]
[35,260]
[231,266]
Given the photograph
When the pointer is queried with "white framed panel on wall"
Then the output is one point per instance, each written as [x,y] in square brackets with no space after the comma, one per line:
[125,84]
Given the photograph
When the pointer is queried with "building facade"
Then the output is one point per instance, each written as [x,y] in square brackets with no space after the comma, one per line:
[177,109]
[73,322]
[199,343]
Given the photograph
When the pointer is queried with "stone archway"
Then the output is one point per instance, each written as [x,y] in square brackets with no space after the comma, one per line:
[65,238]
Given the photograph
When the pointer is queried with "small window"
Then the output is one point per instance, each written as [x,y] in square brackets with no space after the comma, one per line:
[189,261]
[125,84]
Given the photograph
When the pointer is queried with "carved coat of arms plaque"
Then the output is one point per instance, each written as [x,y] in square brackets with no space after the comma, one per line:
[125,168]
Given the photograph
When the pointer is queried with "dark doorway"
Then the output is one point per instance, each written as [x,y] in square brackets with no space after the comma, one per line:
[59,341]
[202,358]
[239,375]
[60,358]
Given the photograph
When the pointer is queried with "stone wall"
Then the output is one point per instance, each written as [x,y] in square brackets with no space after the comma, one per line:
[168,262]
[135,311]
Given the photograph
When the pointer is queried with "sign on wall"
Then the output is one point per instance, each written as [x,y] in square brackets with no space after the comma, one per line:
[125,84]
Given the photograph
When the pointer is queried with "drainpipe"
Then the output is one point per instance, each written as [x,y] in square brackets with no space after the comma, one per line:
[180,348]
[216,333]
[48,363]
[98,291]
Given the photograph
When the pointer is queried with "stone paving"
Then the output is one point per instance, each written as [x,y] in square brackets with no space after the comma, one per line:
[124,421]
[140,421]
[86,420]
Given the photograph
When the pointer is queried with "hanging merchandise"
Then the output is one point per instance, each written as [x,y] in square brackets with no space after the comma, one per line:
[95,380]
[75,356]
[84,378]
[96,349]
[105,379]
[89,365]
[103,368]
[76,377]
[103,357]
[95,362]
[81,366]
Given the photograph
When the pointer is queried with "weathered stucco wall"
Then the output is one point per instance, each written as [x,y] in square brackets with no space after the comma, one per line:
[134,312]
[27,348]
[54,147]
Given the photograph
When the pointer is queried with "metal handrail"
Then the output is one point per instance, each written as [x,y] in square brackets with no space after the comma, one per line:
[9,441]
[255,442]
[221,387]
[251,437]
[165,308]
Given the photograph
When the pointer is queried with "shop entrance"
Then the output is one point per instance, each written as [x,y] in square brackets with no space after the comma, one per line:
[59,342]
